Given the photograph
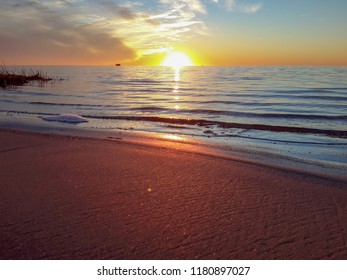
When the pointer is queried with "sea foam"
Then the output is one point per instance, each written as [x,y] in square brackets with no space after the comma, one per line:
[67,118]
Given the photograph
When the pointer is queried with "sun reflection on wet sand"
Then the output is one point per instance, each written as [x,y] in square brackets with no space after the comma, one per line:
[173,137]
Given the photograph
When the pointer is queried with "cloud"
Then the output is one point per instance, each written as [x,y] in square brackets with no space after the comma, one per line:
[101,31]
[189,5]
[242,6]
[230,4]
[53,32]
[126,13]
[170,22]
[251,9]
[110,8]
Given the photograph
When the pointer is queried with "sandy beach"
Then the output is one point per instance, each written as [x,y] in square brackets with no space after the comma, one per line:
[77,198]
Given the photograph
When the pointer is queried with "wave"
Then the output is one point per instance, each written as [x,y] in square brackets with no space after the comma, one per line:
[73,104]
[267,104]
[241,114]
[149,108]
[141,81]
[309,90]
[276,95]
[62,104]
[331,88]
[266,115]
[325,97]
[202,122]
[244,107]
[244,104]
[193,112]
[19,92]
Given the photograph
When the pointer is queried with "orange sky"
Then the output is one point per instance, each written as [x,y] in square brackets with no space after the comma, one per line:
[211,32]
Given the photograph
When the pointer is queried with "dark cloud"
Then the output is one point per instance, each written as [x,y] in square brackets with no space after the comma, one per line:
[126,13]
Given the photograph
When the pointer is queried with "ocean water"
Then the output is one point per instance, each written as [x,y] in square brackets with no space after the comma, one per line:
[295,114]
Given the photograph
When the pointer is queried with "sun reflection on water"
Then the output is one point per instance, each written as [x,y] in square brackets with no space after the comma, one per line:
[177,74]
[176,88]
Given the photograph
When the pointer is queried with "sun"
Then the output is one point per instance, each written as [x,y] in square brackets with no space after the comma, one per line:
[177,60]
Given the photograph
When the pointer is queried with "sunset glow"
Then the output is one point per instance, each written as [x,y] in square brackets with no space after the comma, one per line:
[174,33]
[177,60]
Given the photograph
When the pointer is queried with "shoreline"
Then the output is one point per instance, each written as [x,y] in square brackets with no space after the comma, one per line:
[252,154]
[67,197]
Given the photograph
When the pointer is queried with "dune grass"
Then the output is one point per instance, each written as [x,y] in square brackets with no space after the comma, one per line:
[13,78]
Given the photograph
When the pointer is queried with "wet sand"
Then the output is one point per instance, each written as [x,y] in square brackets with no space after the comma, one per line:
[78,198]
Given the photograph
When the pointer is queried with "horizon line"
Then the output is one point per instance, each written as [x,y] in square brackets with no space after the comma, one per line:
[202,65]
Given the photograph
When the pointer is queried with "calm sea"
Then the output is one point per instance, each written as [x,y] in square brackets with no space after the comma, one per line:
[295,112]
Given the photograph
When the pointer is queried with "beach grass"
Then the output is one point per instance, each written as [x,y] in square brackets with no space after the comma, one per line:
[13,78]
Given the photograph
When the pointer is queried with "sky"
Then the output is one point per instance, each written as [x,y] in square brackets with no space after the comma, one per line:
[210,32]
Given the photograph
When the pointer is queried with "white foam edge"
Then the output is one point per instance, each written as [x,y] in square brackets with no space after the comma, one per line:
[67,118]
